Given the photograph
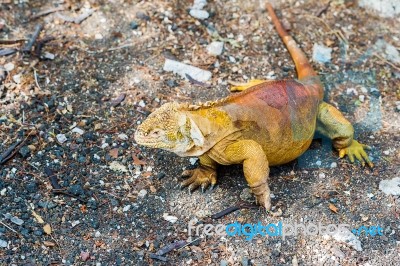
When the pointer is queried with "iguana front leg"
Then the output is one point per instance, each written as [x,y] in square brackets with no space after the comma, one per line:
[255,167]
[332,123]
[203,176]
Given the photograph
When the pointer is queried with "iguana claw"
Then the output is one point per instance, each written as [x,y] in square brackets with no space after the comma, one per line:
[200,177]
[356,150]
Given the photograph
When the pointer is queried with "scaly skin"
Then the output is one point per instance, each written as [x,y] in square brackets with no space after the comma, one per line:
[268,123]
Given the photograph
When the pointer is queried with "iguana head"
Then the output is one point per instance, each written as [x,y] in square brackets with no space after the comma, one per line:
[170,128]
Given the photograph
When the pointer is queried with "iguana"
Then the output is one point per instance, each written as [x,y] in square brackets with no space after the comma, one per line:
[268,123]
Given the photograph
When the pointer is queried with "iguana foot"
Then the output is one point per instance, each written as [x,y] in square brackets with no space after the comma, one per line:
[356,149]
[202,176]
[263,195]
[243,86]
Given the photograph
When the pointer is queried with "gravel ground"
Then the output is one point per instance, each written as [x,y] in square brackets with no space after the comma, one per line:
[78,190]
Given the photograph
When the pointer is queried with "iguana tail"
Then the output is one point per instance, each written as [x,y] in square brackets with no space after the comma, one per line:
[303,67]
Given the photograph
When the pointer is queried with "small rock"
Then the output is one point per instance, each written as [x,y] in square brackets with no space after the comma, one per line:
[183,69]
[321,175]
[75,223]
[142,193]
[333,165]
[170,218]
[199,14]
[61,138]
[172,83]
[116,166]
[389,51]
[9,67]
[17,78]
[344,235]
[134,25]
[202,213]
[24,151]
[3,243]
[385,8]
[160,175]
[123,136]
[338,253]
[16,220]
[76,190]
[193,161]
[98,36]
[126,208]
[49,56]
[31,187]
[390,186]
[141,15]
[321,53]
[78,131]
[224,263]
[295,261]
[85,256]
[215,48]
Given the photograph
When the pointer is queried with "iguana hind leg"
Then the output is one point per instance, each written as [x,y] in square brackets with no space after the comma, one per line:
[243,86]
[255,167]
[331,123]
[203,176]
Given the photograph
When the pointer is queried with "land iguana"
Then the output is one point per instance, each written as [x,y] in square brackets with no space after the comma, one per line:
[267,123]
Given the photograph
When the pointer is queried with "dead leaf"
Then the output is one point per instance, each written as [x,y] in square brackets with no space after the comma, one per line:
[99,243]
[137,161]
[333,208]
[48,244]
[83,208]
[153,189]
[146,174]
[38,218]
[47,229]
[114,153]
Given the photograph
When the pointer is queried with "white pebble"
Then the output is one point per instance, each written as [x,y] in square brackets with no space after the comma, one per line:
[333,165]
[142,104]
[3,243]
[61,138]
[321,175]
[123,136]
[215,48]
[8,67]
[193,161]
[126,208]
[17,78]
[318,163]
[142,193]
[78,131]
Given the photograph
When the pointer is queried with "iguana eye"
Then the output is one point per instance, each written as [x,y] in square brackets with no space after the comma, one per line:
[155,132]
